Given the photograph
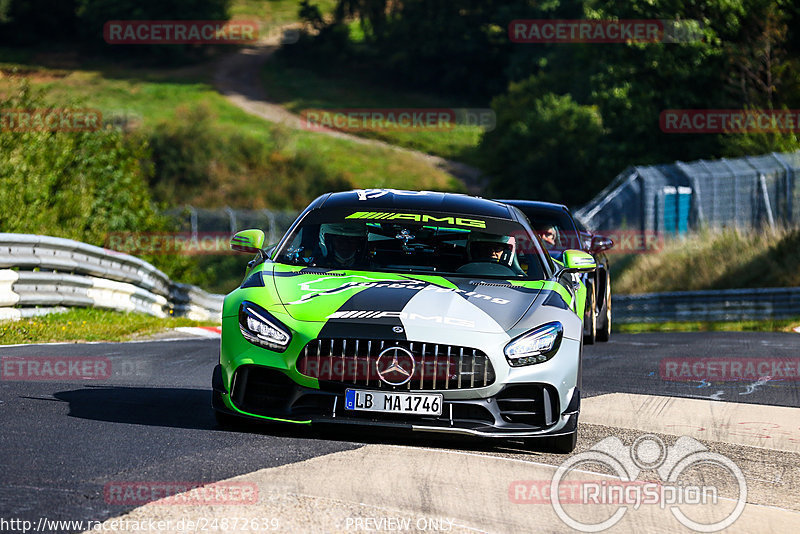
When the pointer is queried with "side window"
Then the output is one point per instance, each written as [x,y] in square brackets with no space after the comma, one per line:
[528,257]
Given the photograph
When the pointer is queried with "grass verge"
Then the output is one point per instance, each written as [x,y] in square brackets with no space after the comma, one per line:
[274,13]
[297,89]
[145,98]
[728,259]
[767,325]
[87,324]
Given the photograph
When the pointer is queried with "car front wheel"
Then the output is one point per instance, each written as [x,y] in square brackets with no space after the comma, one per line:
[557,444]
[226,421]
[604,326]
[590,315]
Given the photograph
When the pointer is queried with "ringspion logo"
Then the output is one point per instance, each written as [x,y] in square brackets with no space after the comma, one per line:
[679,468]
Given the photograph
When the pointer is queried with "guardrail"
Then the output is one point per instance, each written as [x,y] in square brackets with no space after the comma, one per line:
[52,271]
[714,305]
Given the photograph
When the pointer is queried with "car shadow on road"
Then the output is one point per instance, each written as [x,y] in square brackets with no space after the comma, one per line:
[170,407]
[160,406]
[191,409]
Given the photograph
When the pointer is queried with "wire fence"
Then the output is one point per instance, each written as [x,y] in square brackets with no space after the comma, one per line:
[200,220]
[671,199]
[745,193]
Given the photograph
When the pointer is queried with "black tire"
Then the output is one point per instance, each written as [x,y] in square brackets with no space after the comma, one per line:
[226,420]
[563,444]
[555,444]
[604,325]
[590,315]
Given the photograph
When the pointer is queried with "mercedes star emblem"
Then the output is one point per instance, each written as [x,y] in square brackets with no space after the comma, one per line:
[396,366]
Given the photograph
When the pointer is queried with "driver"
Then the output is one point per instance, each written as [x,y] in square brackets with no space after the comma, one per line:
[343,243]
[549,235]
[491,247]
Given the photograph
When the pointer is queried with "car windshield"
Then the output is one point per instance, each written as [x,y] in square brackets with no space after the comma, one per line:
[412,243]
[555,228]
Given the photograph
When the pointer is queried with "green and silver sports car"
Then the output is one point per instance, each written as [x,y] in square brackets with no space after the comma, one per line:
[428,311]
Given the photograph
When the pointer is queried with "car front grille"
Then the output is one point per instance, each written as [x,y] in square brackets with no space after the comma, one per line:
[355,362]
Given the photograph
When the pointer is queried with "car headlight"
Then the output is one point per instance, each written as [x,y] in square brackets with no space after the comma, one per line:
[262,329]
[537,346]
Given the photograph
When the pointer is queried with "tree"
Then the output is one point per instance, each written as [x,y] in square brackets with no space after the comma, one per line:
[30,22]
[543,147]
[758,59]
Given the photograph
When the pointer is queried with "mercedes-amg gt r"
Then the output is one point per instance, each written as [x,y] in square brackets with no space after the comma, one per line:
[428,311]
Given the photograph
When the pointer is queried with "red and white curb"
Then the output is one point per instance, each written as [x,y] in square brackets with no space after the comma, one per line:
[212,332]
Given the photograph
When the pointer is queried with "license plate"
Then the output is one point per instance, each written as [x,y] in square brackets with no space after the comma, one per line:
[379,401]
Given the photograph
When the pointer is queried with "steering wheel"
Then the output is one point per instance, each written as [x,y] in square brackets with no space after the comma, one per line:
[486,267]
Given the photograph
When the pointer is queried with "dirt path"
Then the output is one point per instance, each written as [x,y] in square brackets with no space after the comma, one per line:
[237,78]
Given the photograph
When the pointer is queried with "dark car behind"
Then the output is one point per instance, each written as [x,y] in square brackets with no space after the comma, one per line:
[555,222]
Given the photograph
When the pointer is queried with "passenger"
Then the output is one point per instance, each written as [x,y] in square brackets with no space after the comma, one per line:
[549,236]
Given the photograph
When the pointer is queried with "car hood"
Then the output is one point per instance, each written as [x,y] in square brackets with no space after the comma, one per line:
[367,300]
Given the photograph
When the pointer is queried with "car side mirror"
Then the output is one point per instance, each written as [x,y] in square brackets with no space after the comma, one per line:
[601,243]
[250,241]
[578,261]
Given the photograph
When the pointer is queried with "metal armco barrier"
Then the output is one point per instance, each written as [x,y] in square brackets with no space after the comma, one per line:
[715,305]
[51,271]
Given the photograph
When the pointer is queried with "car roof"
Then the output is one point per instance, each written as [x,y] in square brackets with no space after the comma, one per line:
[416,200]
[536,204]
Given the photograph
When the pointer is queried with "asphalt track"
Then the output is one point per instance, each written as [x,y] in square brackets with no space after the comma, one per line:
[62,442]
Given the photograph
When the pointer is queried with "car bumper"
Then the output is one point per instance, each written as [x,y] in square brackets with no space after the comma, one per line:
[517,410]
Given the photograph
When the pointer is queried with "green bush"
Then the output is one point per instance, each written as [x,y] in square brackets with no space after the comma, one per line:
[92,16]
[80,185]
[204,164]
[30,22]
[543,148]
